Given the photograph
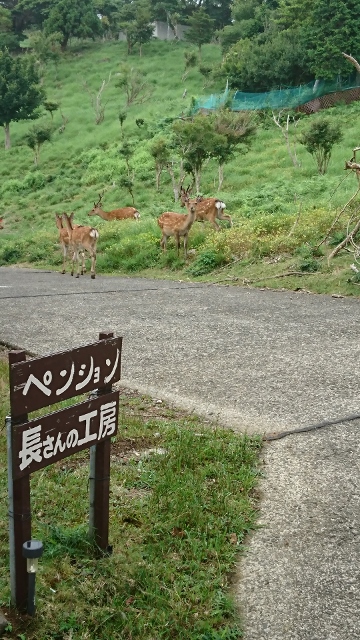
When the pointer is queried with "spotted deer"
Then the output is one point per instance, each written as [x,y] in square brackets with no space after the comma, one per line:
[65,241]
[177,225]
[114,214]
[206,208]
[81,238]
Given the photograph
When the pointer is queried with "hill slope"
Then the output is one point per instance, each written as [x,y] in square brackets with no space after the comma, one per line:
[276,208]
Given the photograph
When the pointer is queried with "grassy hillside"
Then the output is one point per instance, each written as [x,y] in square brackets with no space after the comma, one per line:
[280,212]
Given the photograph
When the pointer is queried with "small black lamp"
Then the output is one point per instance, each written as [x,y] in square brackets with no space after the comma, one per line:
[32,550]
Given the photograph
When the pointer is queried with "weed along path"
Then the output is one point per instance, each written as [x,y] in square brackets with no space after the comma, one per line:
[256,361]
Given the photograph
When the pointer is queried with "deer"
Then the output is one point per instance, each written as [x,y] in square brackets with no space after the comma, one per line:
[206,208]
[1,223]
[114,214]
[65,241]
[177,225]
[81,238]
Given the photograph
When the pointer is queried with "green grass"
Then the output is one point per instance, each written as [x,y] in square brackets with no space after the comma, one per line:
[263,191]
[178,520]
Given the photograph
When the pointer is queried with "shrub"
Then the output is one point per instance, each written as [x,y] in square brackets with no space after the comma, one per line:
[319,140]
[207,261]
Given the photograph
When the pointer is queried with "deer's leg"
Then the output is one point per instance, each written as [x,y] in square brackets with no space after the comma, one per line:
[224,216]
[77,258]
[177,242]
[185,245]
[65,250]
[73,261]
[93,264]
[83,265]
[163,243]
[215,225]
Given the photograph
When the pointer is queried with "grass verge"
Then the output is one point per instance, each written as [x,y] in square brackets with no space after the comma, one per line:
[182,501]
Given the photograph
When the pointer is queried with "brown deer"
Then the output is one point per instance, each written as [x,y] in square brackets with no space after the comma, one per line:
[206,208]
[115,214]
[1,223]
[81,238]
[177,225]
[65,241]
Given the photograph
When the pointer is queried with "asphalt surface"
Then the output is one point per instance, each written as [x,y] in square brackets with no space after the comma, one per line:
[258,362]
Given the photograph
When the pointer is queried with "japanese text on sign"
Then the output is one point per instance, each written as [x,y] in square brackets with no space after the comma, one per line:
[40,442]
[41,382]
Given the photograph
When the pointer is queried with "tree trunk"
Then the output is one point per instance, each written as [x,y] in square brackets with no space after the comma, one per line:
[64,43]
[221,176]
[7,135]
[197,176]
[158,174]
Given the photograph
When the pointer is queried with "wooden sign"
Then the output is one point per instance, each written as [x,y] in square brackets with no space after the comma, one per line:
[40,442]
[38,383]
[37,443]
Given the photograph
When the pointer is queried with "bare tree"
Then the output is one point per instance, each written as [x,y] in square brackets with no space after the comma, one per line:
[285,130]
[96,99]
[136,88]
[351,165]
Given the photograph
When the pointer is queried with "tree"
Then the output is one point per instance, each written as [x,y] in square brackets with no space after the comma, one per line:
[135,20]
[319,140]
[8,38]
[133,82]
[20,93]
[202,29]
[334,27]
[127,152]
[35,138]
[122,117]
[196,141]
[143,27]
[159,150]
[127,183]
[46,48]
[191,60]
[51,106]
[238,130]
[72,19]
[257,65]
[96,99]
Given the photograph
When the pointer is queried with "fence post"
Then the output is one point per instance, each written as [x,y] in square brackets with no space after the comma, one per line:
[19,512]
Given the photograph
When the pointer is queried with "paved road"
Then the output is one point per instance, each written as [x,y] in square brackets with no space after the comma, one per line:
[258,361]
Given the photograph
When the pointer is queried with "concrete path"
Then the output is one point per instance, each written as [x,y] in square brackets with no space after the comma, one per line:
[257,361]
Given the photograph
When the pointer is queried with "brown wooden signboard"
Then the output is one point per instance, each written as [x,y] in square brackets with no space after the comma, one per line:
[37,443]
[39,383]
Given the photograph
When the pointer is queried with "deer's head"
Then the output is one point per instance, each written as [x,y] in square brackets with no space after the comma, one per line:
[185,195]
[97,206]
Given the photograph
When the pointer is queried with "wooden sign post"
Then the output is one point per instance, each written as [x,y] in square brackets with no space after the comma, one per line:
[37,443]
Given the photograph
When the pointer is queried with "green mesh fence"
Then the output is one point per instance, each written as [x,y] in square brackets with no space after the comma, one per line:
[289,98]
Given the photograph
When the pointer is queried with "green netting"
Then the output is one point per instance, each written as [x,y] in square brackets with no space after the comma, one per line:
[288,98]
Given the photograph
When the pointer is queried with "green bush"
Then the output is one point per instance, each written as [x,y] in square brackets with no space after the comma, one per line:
[207,261]
[309,264]
[10,255]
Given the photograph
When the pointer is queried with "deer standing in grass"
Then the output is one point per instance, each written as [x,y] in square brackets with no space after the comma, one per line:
[81,238]
[114,214]
[65,241]
[177,225]
[206,208]
[1,223]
